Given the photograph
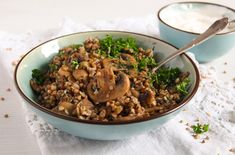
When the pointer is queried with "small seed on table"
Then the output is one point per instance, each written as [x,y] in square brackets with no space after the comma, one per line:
[207,138]
[6,115]
[232,150]
[196,136]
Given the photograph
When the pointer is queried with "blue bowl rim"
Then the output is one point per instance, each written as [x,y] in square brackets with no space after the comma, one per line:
[69,118]
[193,2]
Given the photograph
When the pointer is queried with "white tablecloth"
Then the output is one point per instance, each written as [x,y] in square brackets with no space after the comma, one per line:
[213,105]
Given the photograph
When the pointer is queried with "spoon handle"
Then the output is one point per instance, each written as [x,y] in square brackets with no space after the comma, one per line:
[216,27]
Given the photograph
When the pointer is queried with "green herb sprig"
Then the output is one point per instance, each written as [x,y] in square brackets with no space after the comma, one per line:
[74,64]
[38,76]
[165,76]
[147,62]
[183,86]
[113,47]
[75,46]
[61,53]
[199,128]
[53,67]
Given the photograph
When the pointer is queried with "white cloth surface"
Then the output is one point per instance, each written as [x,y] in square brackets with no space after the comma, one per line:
[214,104]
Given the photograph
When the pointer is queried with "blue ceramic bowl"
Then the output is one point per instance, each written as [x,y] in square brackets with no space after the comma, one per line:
[42,54]
[171,29]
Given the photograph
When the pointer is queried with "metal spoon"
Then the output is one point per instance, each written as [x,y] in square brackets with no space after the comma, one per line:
[216,27]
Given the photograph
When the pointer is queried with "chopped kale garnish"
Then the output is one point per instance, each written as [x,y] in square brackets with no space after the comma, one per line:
[61,53]
[38,76]
[113,47]
[101,52]
[53,67]
[134,66]
[75,46]
[183,86]
[147,62]
[74,64]
[199,128]
[165,76]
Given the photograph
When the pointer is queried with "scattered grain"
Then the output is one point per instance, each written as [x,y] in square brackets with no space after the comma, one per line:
[208,114]
[110,87]
[213,102]
[13,63]
[188,129]
[224,72]
[66,111]
[206,138]
[232,150]
[181,121]
[197,120]
[8,49]
[61,108]
[2,98]
[8,89]
[196,136]
[6,115]
[225,63]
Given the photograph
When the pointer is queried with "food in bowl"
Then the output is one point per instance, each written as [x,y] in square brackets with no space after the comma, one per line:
[41,55]
[108,80]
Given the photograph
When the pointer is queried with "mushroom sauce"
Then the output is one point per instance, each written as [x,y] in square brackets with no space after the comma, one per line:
[108,80]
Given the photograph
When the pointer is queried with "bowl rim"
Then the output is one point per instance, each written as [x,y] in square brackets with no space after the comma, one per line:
[123,122]
[192,2]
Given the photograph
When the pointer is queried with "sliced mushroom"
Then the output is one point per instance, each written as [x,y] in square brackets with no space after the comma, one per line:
[127,59]
[80,56]
[64,71]
[147,98]
[130,117]
[135,92]
[35,86]
[85,107]
[128,50]
[68,49]
[84,64]
[148,52]
[105,86]
[80,74]
[91,68]
[65,108]
[133,73]
[110,63]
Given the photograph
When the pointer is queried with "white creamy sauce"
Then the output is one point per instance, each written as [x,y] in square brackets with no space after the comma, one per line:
[196,17]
